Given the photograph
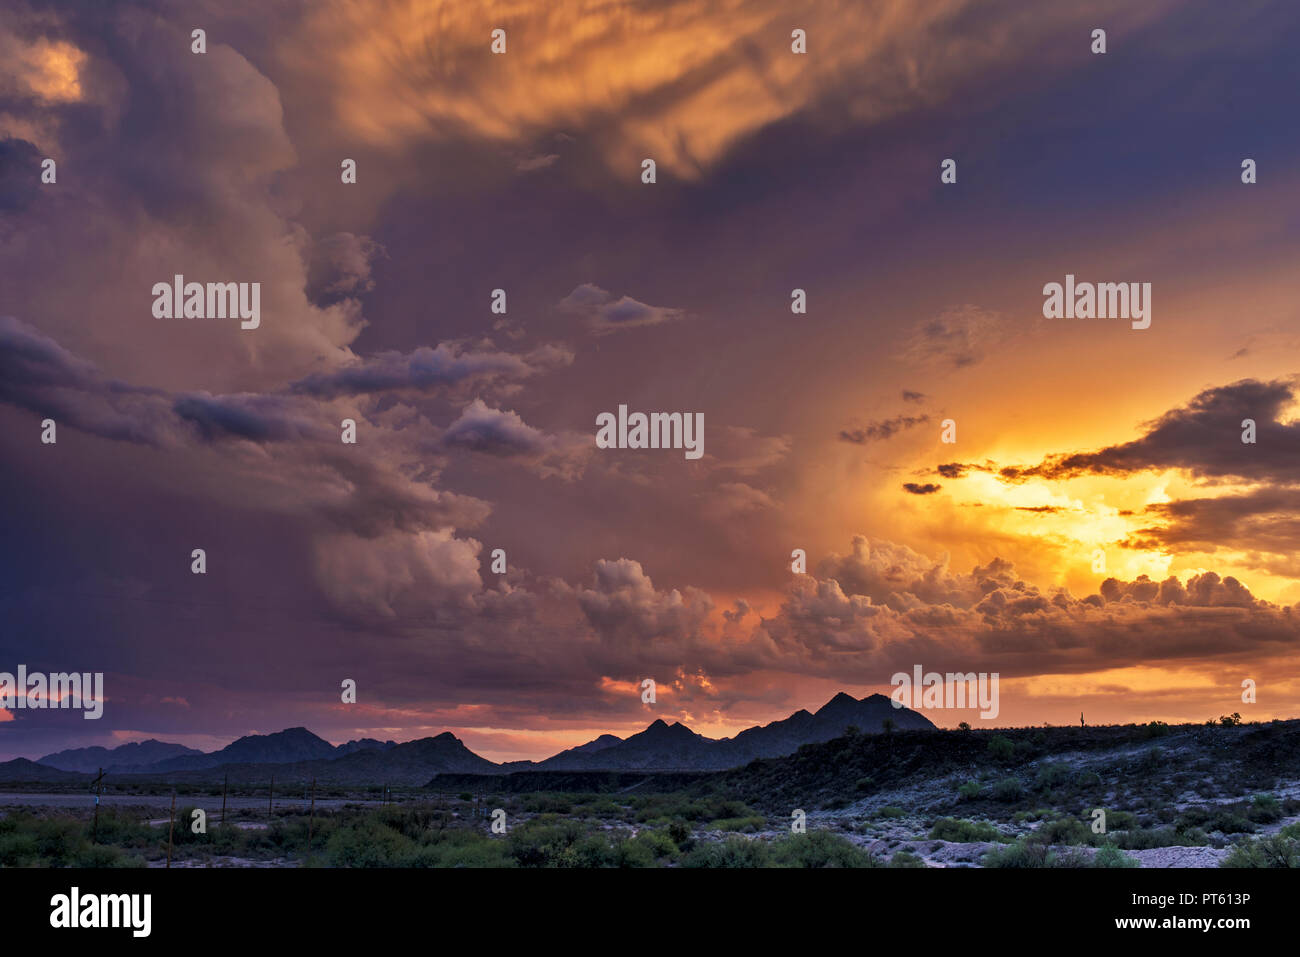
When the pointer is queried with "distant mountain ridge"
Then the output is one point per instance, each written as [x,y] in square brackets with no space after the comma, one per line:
[298,754]
[127,757]
[283,747]
[409,763]
[151,757]
[675,747]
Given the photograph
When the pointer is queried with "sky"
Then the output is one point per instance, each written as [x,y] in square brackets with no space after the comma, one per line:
[1098,533]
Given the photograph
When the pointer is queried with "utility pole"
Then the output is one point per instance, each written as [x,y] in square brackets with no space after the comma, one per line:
[270,800]
[98,782]
[224,782]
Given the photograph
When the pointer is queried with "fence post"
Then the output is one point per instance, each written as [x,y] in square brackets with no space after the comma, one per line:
[171,823]
[94,832]
[311,818]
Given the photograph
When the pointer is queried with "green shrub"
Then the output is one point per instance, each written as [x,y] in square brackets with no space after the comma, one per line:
[733,852]
[460,848]
[123,830]
[1062,830]
[1108,855]
[1001,749]
[1027,854]
[1037,814]
[1275,851]
[819,849]
[749,824]
[1008,790]
[367,844]
[547,804]
[905,859]
[1051,776]
[1141,839]
[1156,729]
[660,844]
[960,831]
[1265,809]
[60,841]
[183,829]
[17,849]
[1205,818]
[1087,779]
[1020,854]
[1120,820]
[604,809]
[101,855]
[548,842]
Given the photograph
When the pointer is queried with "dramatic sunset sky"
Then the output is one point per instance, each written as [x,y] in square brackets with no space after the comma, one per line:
[522,171]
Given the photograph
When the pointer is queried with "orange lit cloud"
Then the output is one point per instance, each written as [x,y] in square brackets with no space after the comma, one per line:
[678,81]
[49,69]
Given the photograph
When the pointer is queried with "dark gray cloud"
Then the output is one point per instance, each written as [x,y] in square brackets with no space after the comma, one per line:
[504,434]
[928,488]
[956,338]
[1263,524]
[953,470]
[603,313]
[1203,438]
[258,418]
[340,267]
[20,164]
[427,369]
[39,375]
[882,430]
[493,431]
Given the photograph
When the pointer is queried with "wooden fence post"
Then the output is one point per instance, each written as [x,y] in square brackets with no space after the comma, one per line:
[311,818]
[171,823]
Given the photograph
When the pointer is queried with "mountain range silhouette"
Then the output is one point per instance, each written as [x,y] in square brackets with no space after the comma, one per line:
[298,754]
